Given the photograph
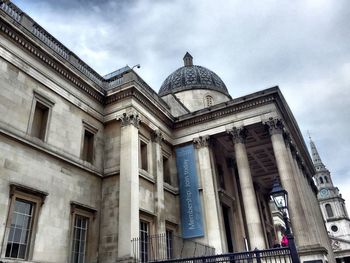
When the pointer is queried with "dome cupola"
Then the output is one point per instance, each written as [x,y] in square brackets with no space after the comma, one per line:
[190,77]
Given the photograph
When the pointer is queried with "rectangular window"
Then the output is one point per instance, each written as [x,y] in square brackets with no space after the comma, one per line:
[39,124]
[166,170]
[20,229]
[169,244]
[143,156]
[88,142]
[144,243]
[88,146]
[40,116]
[21,222]
[82,227]
[80,230]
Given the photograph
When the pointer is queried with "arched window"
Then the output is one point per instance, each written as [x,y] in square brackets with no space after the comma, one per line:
[326,179]
[208,101]
[329,210]
[321,180]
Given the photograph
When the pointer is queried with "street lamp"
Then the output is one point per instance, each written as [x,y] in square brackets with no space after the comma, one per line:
[280,197]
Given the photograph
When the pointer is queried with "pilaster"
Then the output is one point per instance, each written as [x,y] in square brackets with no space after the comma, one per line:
[255,230]
[157,138]
[128,215]
[210,198]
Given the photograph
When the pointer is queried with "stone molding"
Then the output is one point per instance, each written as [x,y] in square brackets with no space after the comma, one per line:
[130,118]
[207,115]
[14,187]
[238,135]
[202,141]
[274,125]
[157,136]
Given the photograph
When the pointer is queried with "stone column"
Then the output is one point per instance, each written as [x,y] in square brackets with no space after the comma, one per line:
[255,230]
[285,171]
[211,205]
[157,138]
[128,215]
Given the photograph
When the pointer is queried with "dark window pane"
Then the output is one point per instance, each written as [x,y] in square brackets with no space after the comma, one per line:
[22,251]
[14,250]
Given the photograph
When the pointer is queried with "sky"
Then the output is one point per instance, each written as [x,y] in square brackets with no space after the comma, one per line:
[302,46]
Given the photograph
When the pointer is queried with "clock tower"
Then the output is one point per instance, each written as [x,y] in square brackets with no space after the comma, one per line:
[333,208]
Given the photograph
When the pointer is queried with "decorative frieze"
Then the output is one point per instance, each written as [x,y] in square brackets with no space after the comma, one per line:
[238,135]
[130,118]
[275,125]
[202,141]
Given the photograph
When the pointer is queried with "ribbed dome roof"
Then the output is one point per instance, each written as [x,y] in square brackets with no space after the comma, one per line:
[192,77]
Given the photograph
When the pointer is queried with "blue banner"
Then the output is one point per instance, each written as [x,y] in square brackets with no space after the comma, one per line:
[191,212]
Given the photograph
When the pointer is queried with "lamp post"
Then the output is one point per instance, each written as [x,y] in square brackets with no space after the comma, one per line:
[280,197]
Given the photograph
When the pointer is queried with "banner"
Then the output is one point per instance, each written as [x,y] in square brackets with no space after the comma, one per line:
[191,212]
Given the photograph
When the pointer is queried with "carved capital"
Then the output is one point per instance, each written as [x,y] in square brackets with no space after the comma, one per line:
[130,118]
[275,126]
[202,141]
[157,136]
[238,134]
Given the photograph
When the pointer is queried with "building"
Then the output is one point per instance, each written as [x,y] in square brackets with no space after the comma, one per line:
[92,166]
[333,209]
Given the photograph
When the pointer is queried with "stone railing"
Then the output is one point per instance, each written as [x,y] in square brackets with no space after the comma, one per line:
[12,10]
[50,41]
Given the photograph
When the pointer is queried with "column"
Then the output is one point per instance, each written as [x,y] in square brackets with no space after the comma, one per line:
[255,230]
[128,216]
[157,138]
[211,205]
[285,172]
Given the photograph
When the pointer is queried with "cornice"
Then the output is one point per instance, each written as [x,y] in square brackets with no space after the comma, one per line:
[133,92]
[225,110]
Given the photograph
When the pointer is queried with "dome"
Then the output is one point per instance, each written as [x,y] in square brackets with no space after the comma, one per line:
[192,77]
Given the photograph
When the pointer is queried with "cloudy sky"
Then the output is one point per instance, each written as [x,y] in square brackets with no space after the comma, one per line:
[301,46]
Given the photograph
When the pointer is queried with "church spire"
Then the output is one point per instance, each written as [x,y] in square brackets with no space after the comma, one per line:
[323,176]
[316,159]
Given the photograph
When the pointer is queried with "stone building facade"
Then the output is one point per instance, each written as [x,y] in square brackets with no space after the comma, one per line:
[89,163]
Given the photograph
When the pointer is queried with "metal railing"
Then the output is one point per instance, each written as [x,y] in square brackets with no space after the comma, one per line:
[164,247]
[275,255]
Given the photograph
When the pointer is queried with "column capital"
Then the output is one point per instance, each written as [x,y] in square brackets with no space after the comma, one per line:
[130,118]
[202,141]
[157,136]
[238,134]
[275,125]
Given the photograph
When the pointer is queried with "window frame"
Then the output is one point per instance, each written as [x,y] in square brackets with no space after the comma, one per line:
[167,156]
[149,220]
[78,209]
[47,102]
[27,194]
[329,212]
[208,100]
[93,130]
[145,141]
